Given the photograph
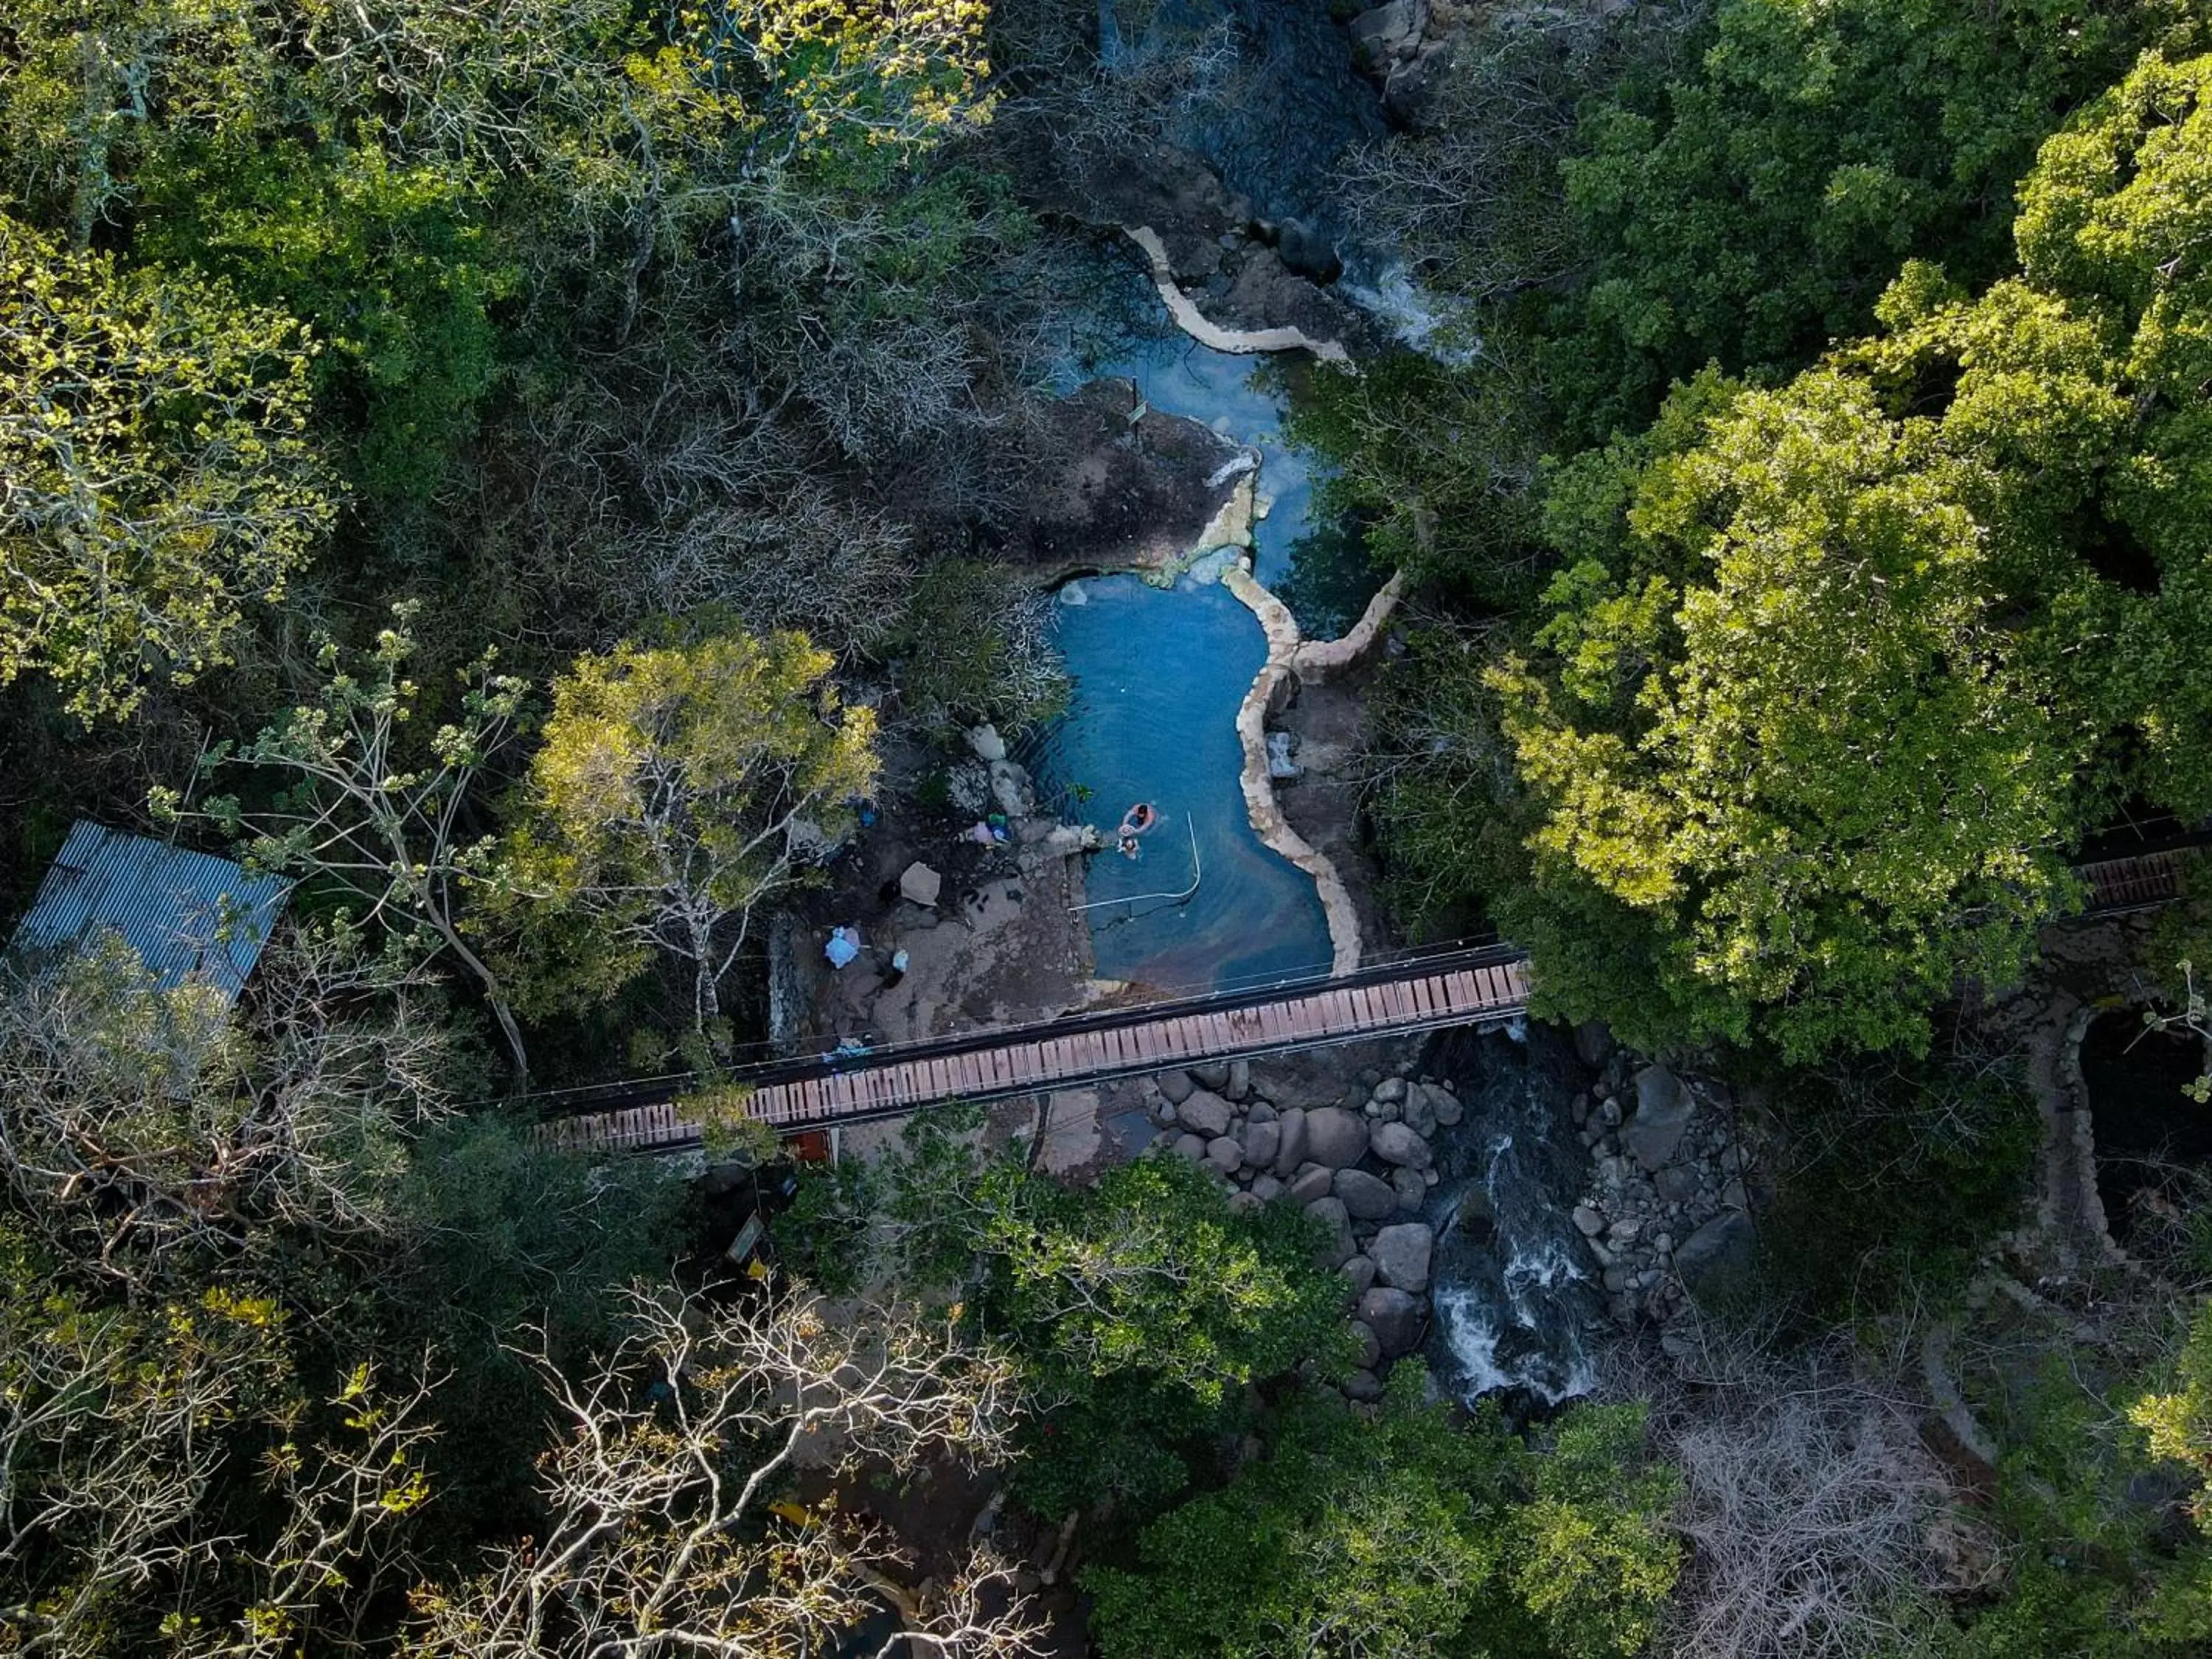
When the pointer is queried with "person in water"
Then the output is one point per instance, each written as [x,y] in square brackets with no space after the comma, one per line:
[1134,822]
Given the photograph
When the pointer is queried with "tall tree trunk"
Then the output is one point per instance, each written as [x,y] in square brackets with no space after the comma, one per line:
[706,989]
[496,995]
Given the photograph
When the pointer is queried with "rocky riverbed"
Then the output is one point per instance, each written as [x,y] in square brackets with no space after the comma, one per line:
[1456,1202]
[1665,1215]
[1366,1169]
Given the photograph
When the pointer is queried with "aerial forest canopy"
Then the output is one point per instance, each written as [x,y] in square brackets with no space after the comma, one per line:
[268,265]
[1832,670]
[533,479]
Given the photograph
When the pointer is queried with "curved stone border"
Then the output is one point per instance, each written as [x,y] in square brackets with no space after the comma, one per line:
[1320,660]
[2091,1203]
[1289,659]
[1188,318]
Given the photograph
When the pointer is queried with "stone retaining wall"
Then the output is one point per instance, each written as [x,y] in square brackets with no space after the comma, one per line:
[1290,658]
[1191,321]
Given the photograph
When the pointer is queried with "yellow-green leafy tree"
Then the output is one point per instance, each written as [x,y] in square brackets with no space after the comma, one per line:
[1837,672]
[1787,739]
[155,474]
[679,787]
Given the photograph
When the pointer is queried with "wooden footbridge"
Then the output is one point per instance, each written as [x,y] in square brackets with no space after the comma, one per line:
[2144,881]
[1424,994]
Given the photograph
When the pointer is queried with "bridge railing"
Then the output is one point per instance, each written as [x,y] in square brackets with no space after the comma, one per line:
[1460,953]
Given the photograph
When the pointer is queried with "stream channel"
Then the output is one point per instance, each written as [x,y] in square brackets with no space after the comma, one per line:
[1158,674]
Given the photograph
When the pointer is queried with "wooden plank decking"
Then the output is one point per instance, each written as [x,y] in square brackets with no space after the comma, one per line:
[2135,884]
[1037,1059]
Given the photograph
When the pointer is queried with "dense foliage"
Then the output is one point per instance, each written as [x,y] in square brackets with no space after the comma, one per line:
[1744,198]
[528,471]
[1829,677]
[1404,1536]
[1817,581]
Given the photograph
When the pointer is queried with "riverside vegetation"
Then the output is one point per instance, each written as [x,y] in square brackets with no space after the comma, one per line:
[512,467]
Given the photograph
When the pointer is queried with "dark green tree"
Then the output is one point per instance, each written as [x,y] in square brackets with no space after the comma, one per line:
[1749,205]
[1403,1536]
[1143,1309]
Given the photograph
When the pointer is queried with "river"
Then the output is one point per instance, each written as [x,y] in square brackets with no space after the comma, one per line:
[1158,674]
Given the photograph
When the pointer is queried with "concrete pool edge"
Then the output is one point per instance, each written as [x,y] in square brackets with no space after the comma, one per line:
[1290,658]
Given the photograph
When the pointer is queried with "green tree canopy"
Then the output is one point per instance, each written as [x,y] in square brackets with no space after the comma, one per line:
[1402,1537]
[1750,206]
[1144,1307]
[676,789]
[1788,731]
[154,474]
[1835,674]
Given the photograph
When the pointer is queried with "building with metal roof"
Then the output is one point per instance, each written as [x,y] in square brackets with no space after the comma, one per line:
[188,915]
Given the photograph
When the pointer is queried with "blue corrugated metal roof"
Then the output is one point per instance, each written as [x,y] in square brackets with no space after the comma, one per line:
[184,912]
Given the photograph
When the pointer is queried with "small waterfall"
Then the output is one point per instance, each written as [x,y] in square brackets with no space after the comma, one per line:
[1431,324]
[1514,1305]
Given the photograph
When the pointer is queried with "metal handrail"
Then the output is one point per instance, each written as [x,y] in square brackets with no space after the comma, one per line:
[1197,875]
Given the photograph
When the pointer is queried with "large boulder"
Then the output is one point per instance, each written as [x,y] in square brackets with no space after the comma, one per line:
[1308,253]
[1395,1317]
[1664,1110]
[1213,1075]
[1311,1182]
[1411,85]
[1190,1146]
[1364,1196]
[1203,1112]
[1338,1249]
[1224,1154]
[1402,1256]
[1176,1085]
[1384,31]
[1447,1108]
[1261,1142]
[1335,1137]
[1717,1259]
[1291,1146]
[1359,1274]
[1011,789]
[1394,1142]
[1420,1112]
[1238,1083]
[1411,1187]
